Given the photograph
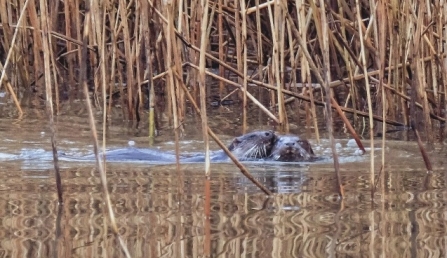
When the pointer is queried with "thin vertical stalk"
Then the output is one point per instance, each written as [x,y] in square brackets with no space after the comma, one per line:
[204,33]
[243,12]
[202,83]
[277,26]
[68,33]
[99,164]
[129,60]
[443,20]
[305,71]
[149,72]
[114,62]
[100,38]
[382,16]
[49,97]
[239,61]
[328,97]
[138,32]
[171,81]
[259,52]
[221,46]
[368,95]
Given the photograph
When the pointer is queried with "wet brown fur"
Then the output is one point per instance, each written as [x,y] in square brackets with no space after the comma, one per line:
[291,148]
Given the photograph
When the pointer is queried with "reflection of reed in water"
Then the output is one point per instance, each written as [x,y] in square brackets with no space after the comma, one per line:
[148,210]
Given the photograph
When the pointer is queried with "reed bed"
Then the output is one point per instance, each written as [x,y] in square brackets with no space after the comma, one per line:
[376,61]
[138,47]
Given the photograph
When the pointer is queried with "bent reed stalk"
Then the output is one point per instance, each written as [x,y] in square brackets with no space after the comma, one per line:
[264,48]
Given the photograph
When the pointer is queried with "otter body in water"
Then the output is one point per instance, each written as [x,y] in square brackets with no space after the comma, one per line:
[291,148]
[254,146]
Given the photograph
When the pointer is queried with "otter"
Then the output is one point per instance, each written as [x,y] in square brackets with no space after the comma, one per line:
[254,146]
[251,146]
[291,148]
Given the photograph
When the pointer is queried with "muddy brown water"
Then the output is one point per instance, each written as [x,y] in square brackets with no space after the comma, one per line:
[160,211]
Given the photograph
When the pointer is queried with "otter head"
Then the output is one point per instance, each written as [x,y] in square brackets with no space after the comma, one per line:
[254,145]
[290,148]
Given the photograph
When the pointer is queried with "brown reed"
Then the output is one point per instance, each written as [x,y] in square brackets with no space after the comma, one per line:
[99,164]
[49,102]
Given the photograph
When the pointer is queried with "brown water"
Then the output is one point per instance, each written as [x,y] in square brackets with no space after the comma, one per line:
[160,211]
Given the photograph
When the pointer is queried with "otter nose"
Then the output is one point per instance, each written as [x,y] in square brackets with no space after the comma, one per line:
[290,144]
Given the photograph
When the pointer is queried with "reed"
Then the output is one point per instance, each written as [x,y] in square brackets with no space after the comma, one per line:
[49,102]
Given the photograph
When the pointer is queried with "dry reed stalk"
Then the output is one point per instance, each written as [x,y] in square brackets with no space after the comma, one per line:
[148,72]
[49,98]
[382,15]
[419,79]
[68,32]
[20,56]
[10,90]
[348,57]
[37,41]
[276,26]
[5,20]
[322,30]
[168,10]
[244,61]
[221,45]
[99,164]
[100,29]
[416,88]
[129,55]
[10,47]
[443,32]
[138,32]
[303,23]
[239,61]
[292,60]
[113,36]
[281,66]
[259,7]
[368,96]
[191,31]
[259,51]
[204,33]
[180,98]
[424,154]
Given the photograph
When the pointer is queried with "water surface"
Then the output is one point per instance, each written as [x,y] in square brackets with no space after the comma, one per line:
[160,211]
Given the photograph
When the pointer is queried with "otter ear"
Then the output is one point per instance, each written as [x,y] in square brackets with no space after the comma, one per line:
[306,145]
[234,143]
[311,151]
